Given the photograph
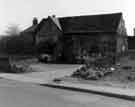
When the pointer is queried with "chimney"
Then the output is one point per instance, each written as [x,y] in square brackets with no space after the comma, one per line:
[35,21]
[53,16]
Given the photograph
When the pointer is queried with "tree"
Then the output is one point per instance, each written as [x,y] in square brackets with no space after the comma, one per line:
[13,30]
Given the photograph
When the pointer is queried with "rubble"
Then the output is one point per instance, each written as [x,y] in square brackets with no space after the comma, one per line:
[131,76]
[16,68]
[93,70]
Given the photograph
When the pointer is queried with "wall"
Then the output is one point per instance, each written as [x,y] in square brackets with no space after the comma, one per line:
[121,44]
[82,44]
[48,38]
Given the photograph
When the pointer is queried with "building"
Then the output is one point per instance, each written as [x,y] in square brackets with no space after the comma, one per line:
[103,34]
[32,30]
[131,42]
[48,37]
[131,46]
[71,38]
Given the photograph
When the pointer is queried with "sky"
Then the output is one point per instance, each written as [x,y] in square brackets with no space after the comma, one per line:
[21,12]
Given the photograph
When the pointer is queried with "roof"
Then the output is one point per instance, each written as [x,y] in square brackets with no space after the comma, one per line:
[91,23]
[31,28]
[47,21]
[56,21]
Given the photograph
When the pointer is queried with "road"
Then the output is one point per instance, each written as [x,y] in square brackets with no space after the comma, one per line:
[19,94]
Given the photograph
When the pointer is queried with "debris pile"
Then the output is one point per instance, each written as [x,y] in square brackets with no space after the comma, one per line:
[131,76]
[18,68]
[93,71]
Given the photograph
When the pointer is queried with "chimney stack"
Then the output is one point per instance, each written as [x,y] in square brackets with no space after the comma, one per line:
[53,16]
[35,21]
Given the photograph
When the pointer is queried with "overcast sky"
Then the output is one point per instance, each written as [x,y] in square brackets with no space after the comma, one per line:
[21,12]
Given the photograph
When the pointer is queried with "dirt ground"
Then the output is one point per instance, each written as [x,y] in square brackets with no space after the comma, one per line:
[119,77]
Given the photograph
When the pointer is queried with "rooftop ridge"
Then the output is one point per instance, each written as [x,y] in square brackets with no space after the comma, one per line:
[91,15]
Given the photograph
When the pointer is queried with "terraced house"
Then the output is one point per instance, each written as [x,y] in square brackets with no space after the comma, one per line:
[72,38]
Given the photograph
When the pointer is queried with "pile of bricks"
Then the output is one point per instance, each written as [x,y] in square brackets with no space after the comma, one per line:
[93,71]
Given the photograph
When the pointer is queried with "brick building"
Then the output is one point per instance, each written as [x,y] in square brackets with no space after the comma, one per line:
[74,37]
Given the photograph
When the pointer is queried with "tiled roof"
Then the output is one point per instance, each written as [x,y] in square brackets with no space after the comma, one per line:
[31,28]
[91,23]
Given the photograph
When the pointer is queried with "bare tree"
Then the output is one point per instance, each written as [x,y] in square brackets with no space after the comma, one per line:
[13,30]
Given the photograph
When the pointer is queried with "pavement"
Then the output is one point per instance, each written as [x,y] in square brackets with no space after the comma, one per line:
[46,73]
[124,93]
[23,94]
[42,73]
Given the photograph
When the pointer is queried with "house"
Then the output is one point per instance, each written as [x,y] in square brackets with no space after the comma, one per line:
[131,46]
[49,36]
[103,34]
[22,43]
[73,37]
[131,42]
[32,30]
